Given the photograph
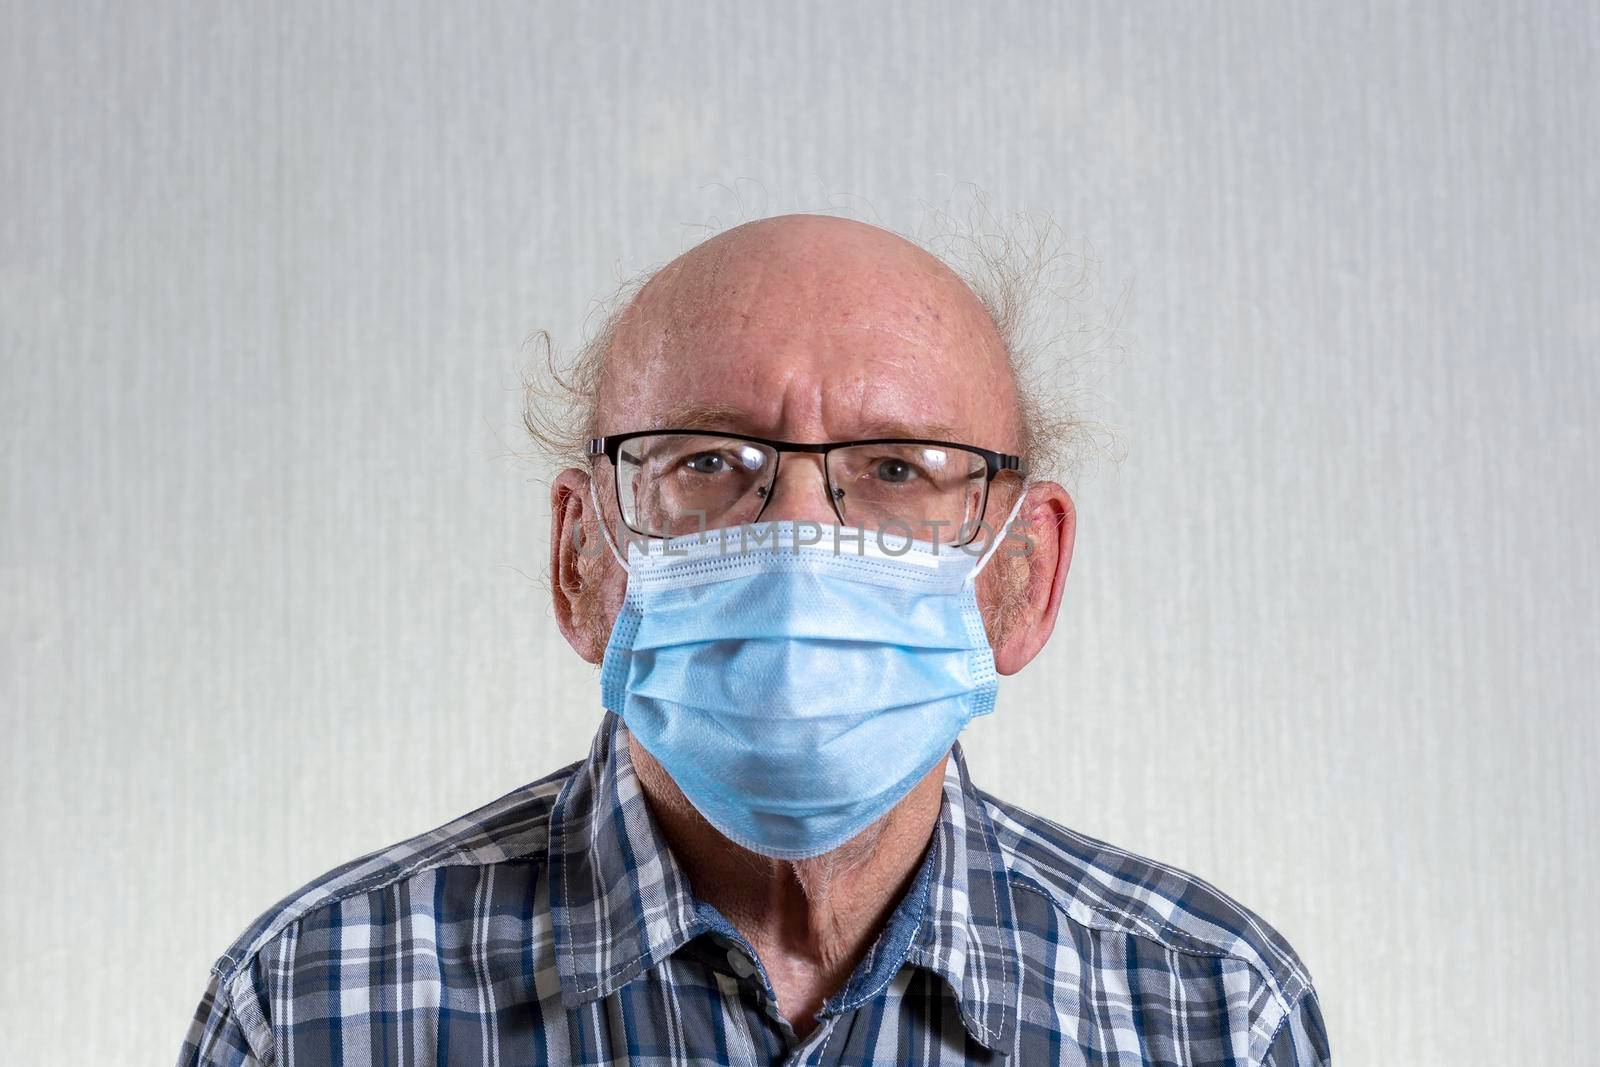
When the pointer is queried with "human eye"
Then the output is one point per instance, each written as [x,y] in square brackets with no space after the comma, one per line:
[705,463]
[895,470]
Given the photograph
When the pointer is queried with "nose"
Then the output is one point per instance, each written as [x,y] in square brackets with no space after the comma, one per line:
[800,492]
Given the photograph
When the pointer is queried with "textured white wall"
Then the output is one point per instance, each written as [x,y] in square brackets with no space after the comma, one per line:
[1330,636]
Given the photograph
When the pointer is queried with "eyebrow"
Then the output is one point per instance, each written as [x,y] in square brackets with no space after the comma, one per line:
[706,417]
[736,421]
[896,428]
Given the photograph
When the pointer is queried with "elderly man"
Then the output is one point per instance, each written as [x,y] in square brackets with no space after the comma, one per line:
[774,853]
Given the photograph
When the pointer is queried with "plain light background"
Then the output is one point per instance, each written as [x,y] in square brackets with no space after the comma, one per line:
[268,571]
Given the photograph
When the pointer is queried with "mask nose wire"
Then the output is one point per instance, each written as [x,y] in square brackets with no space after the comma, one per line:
[1005,529]
[600,520]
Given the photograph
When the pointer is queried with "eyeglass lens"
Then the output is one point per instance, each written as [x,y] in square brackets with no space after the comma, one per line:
[673,484]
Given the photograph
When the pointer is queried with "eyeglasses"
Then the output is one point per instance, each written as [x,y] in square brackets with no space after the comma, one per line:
[674,482]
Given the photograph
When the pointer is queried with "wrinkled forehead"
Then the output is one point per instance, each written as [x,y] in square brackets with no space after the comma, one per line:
[820,346]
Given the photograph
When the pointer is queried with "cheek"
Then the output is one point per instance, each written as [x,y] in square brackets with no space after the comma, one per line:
[600,599]
[1000,580]
[1003,593]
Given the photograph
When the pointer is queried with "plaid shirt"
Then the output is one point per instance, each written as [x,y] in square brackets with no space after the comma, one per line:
[553,926]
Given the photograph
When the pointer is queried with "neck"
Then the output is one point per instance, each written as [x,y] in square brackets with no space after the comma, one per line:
[809,920]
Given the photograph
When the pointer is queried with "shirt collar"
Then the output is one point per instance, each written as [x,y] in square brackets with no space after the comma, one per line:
[620,904]
[969,934]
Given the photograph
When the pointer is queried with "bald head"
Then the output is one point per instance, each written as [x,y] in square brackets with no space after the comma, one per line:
[810,328]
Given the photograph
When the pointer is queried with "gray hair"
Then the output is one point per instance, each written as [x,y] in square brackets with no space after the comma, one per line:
[1042,295]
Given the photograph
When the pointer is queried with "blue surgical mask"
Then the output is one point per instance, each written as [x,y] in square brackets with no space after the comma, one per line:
[797,680]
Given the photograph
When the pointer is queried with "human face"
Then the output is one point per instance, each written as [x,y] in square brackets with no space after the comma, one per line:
[800,328]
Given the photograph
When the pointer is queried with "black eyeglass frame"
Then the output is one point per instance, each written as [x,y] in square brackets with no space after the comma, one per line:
[610,445]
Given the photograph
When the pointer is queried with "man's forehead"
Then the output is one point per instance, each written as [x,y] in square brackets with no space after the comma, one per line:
[812,386]
[827,326]
[693,415]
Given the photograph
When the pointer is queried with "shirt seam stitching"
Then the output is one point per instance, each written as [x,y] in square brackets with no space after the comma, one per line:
[1193,946]
[1297,974]
[243,1017]
[1289,1010]
[376,881]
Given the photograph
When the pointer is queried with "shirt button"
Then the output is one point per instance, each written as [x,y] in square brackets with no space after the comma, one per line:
[740,963]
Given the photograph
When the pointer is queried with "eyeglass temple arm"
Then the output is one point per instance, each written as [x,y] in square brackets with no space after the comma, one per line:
[605,446]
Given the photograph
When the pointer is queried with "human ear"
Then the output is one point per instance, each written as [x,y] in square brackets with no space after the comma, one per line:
[583,588]
[1048,527]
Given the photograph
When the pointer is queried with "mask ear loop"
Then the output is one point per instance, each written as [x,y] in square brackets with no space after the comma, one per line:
[1005,530]
[600,520]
